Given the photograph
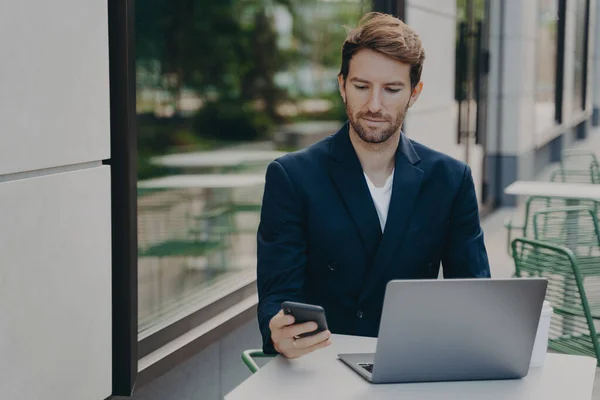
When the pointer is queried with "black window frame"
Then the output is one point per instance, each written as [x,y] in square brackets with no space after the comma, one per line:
[582,95]
[586,49]
[396,8]
[121,39]
[560,62]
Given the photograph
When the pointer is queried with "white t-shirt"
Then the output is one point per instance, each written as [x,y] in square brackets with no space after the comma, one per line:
[381,197]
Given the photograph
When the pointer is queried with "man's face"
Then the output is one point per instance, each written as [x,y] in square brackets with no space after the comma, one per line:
[377,94]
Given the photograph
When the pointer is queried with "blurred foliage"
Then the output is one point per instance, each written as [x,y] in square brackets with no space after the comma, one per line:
[228,53]
[166,135]
[202,45]
[196,42]
[231,119]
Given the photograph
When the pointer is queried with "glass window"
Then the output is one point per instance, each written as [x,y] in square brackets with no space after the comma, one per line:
[546,62]
[471,70]
[223,88]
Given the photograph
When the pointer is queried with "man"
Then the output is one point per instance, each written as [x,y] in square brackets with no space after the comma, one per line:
[343,217]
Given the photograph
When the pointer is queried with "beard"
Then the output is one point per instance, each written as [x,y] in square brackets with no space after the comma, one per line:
[375,135]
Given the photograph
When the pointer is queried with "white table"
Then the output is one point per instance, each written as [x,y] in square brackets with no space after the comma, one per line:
[203,181]
[216,159]
[572,192]
[320,375]
[554,189]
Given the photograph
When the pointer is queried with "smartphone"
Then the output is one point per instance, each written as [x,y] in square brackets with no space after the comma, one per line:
[306,313]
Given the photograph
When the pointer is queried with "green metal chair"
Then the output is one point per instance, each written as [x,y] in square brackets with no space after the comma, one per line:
[591,175]
[534,204]
[572,329]
[538,203]
[578,159]
[249,355]
[577,229]
[577,166]
[574,227]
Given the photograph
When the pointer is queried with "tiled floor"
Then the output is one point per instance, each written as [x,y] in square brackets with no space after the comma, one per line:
[496,240]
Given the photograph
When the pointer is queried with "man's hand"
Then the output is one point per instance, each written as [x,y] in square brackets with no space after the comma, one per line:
[284,333]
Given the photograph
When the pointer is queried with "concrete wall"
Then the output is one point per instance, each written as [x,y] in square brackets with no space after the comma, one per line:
[512,91]
[55,282]
[432,119]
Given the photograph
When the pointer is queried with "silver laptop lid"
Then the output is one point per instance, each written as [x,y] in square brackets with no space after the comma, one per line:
[458,329]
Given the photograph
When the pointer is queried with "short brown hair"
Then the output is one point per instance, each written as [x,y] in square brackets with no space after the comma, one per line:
[388,35]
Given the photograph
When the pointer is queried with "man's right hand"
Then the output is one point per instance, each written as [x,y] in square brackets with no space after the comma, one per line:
[284,333]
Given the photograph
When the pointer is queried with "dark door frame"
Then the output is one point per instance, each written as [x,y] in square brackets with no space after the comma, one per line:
[393,7]
[123,143]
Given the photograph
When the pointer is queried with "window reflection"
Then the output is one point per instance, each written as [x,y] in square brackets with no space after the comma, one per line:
[223,88]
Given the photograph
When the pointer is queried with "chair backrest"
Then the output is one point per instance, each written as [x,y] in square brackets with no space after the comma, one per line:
[538,203]
[577,159]
[577,166]
[565,291]
[591,175]
[534,204]
[574,227]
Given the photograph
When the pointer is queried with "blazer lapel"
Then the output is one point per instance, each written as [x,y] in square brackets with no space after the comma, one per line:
[347,175]
[406,186]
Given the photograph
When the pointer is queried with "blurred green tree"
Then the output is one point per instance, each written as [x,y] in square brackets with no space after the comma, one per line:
[225,52]
[195,43]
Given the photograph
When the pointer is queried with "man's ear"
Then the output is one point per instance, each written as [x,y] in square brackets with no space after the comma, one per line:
[342,87]
[415,94]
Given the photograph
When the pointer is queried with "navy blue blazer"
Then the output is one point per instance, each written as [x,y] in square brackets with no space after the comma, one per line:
[320,240]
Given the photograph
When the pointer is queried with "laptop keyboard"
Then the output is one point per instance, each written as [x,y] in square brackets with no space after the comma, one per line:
[367,366]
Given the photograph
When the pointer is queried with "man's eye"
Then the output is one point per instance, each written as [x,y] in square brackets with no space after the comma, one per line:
[359,87]
[392,90]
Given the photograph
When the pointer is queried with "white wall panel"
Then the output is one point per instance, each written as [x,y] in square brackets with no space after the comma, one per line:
[436,129]
[520,18]
[437,34]
[55,286]
[444,7]
[54,102]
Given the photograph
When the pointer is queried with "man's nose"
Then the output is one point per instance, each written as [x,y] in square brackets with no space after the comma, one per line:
[374,104]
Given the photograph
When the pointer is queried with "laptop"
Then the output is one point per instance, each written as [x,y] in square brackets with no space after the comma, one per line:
[454,330]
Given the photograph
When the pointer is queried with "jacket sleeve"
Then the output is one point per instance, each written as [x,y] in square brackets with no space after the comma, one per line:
[464,254]
[281,249]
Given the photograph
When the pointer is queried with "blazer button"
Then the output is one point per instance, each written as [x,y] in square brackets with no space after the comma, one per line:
[332,266]
[359,314]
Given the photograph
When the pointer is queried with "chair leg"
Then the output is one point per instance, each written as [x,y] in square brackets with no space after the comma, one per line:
[248,359]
